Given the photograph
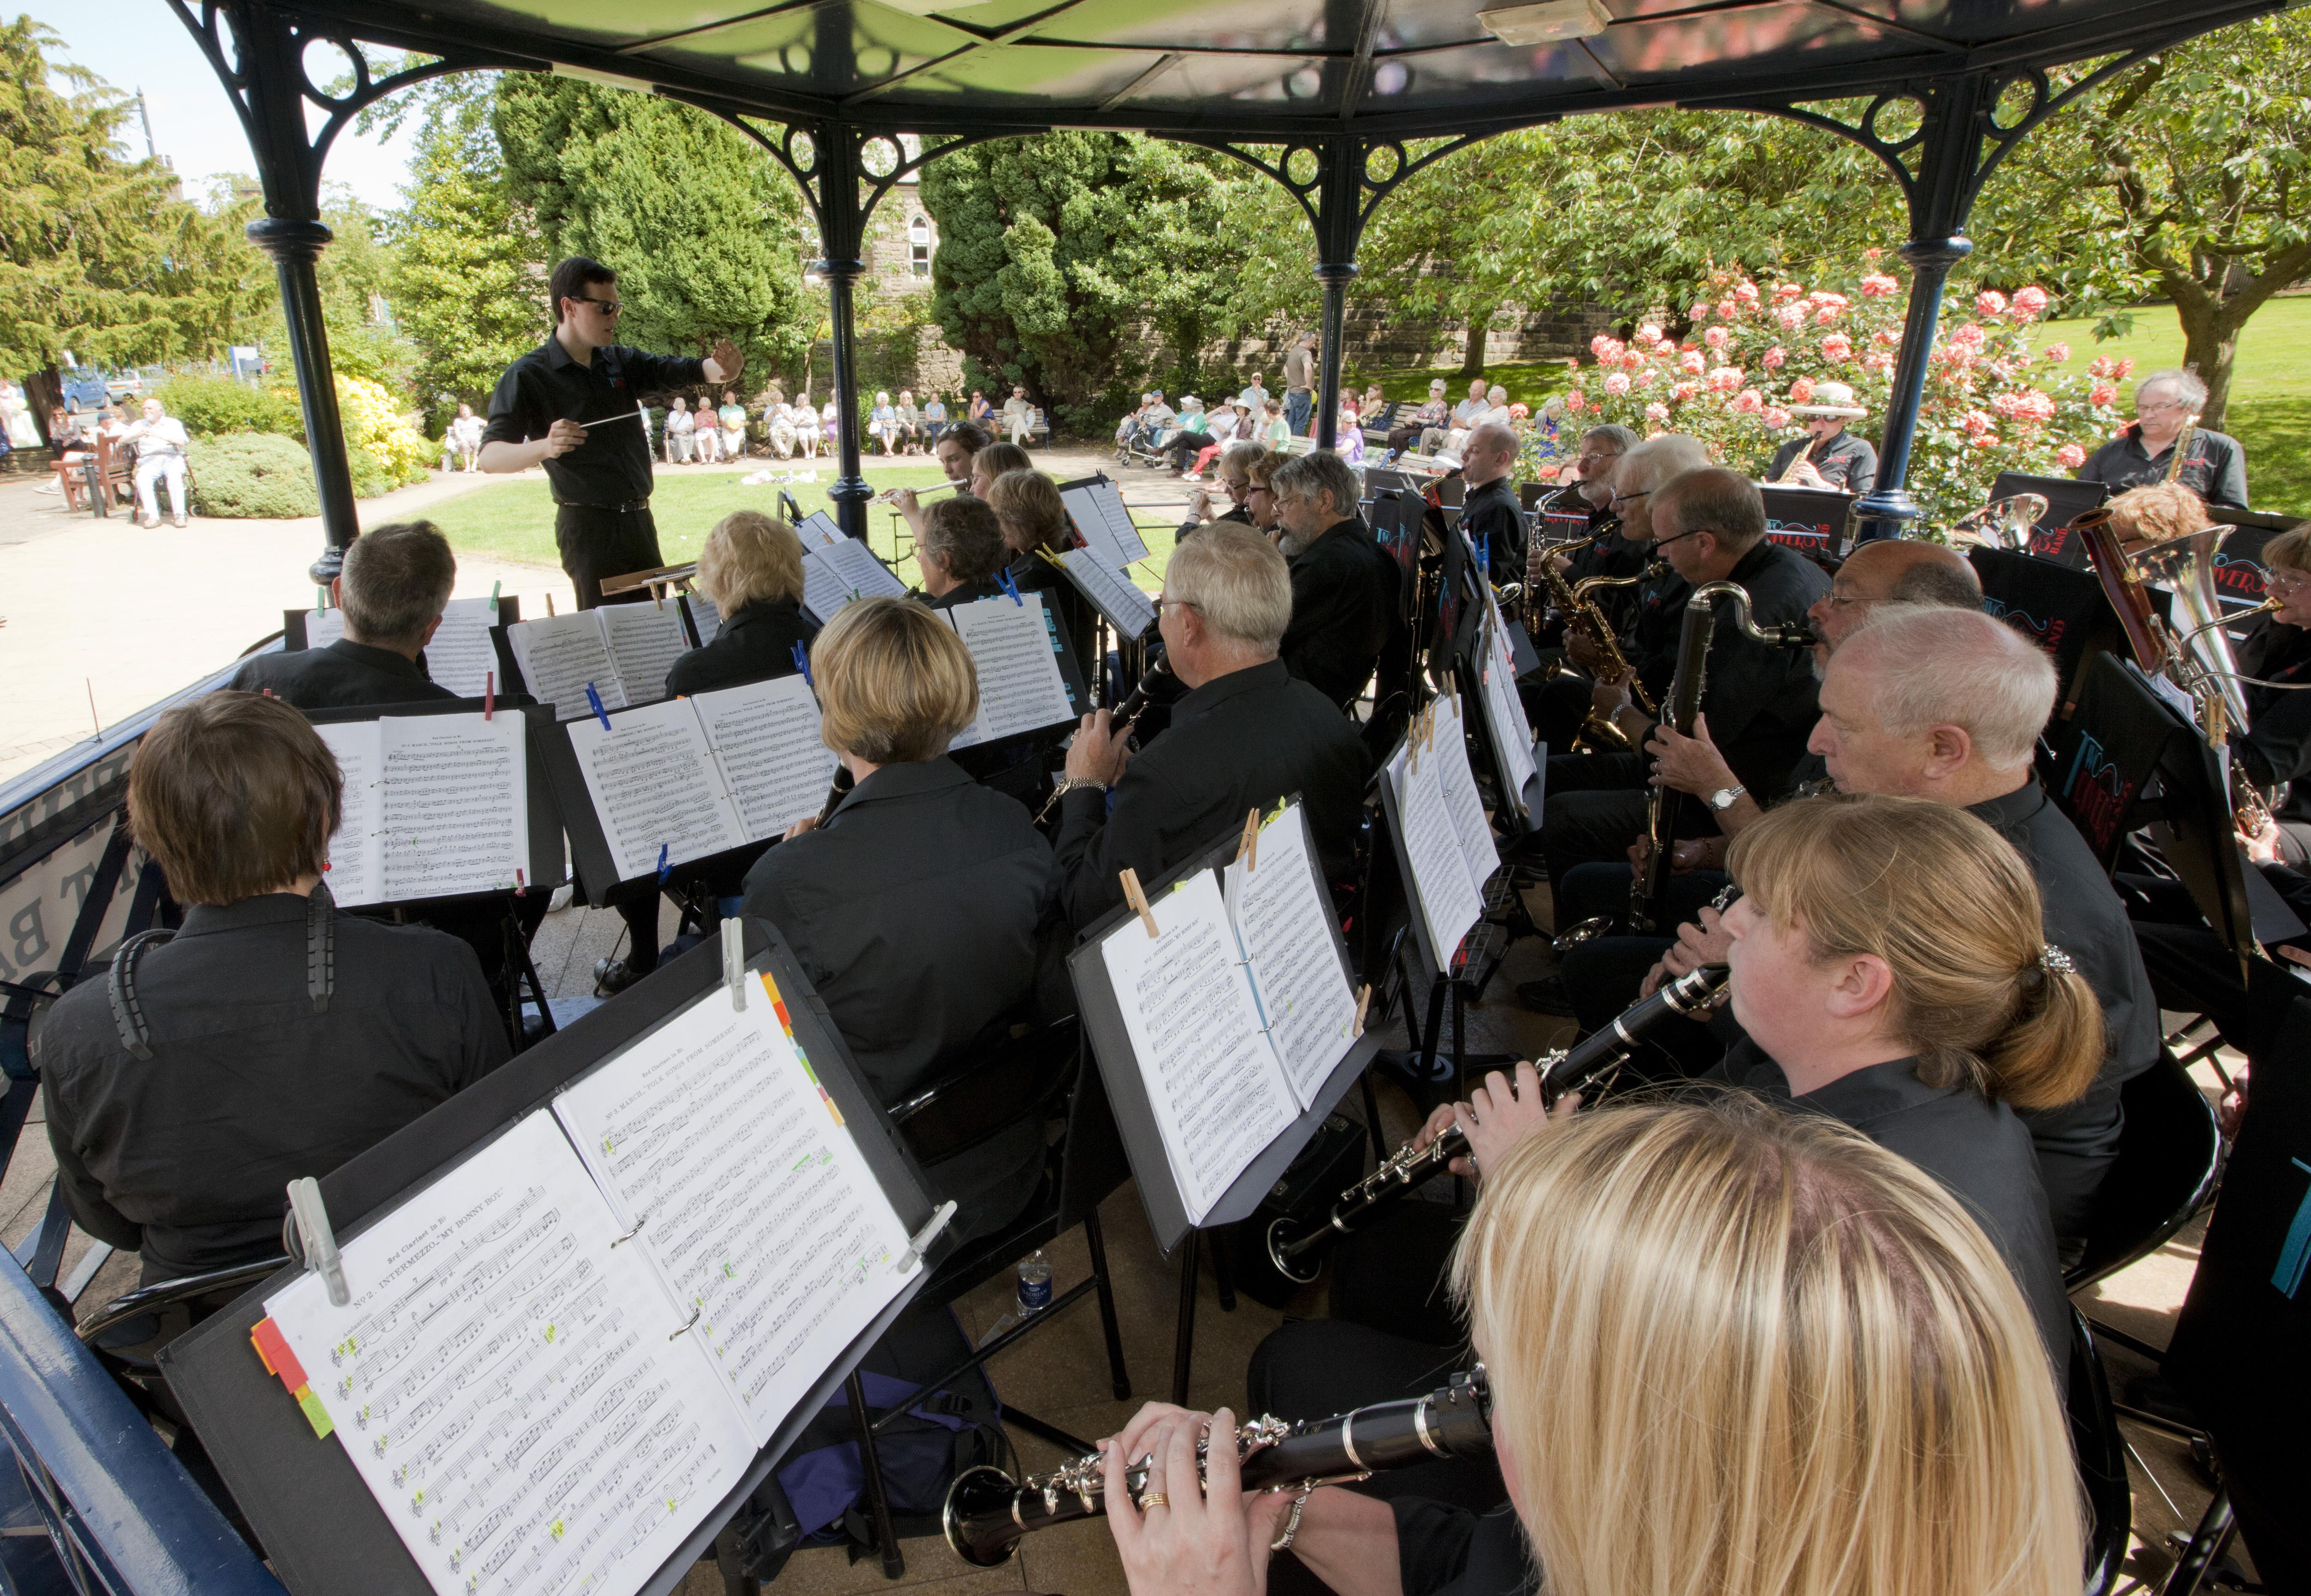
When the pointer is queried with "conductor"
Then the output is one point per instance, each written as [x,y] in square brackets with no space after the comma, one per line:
[572,405]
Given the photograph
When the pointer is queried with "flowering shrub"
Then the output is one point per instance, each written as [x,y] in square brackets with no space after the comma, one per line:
[1756,348]
[384,450]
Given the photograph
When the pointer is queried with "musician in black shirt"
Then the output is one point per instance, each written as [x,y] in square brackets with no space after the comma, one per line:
[1345,587]
[959,551]
[2167,404]
[274,1037]
[1490,514]
[1835,458]
[751,572]
[1034,521]
[574,404]
[392,590]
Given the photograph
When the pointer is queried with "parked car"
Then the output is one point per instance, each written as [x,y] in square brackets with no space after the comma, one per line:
[90,392]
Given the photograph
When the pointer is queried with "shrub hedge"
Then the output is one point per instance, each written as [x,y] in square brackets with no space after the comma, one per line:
[258,475]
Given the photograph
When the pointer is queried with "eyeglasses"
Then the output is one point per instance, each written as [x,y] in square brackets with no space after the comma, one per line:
[1626,498]
[2285,581]
[1664,543]
[606,307]
[2141,405]
[1161,602]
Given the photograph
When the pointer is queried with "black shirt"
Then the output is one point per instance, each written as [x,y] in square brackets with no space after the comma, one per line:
[1846,463]
[1974,1147]
[1031,573]
[1343,610]
[1762,702]
[2276,745]
[755,644]
[344,676]
[963,593]
[1247,738]
[2085,917]
[919,911]
[1494,522]
[612,466]
[1446,1550]
[1238,513]
[2214,466]
[185,1156]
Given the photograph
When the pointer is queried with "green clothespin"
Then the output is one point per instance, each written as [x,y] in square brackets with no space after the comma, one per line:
[320,599]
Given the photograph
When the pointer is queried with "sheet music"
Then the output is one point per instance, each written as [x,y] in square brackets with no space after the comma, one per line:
[766,734]
[1219,1095]
[462,656]
[1020,688]
[456,815]
[355,848]
[655,784]
[1504,711]
[559,655]
[645,641]
[1286,929]
[324,627]
[703,615]
[835,573]
[1099,513]
[1111,592]
[755,1206]
[1451,753]
[818,530]
[1448,901]
[515,1391]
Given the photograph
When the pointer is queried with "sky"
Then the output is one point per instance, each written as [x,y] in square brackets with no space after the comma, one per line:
[141,44]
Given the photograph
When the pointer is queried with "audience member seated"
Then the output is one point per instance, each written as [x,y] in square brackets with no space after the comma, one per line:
[1345,602]
[1769,1358]
[751,572]
[1245,734]
[921,909]
[394,584]
[959,549]
[1035,521]
[275,1037]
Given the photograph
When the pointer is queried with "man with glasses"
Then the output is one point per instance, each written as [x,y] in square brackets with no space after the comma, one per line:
[572,405]
[2213,465]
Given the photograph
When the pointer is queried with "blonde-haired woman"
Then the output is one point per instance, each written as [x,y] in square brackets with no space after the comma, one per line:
[751,572]
[921,910]
[1732,1351]
[997,459]
[1035,521]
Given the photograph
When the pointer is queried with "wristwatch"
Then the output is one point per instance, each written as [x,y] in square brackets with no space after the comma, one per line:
[1726,798]
[1072,782]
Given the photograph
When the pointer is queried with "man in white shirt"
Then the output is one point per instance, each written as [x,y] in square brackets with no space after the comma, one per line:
[1469,412]
[465,438]
[1019,416]
[159,443]
[1254,398]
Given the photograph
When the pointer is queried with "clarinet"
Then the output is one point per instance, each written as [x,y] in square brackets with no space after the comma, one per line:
[988,1511]
[843,782]
[1126,712]
[1298,1254]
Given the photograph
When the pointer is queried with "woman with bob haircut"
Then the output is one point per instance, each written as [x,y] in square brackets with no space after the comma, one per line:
[1034,521]
[271,1037]
[924,910]
[959,550]
[1731,1352]
[751,572]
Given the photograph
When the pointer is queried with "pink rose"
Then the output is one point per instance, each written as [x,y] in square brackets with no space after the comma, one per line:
[1878,285]
[1700,312]
[1777,417]
[2029,302]
[1872,253]
[1749,402]
[2033,405]
[1717,337]
[1987,441]
[2057,353]
[1837,346]
[1880,361]
[1600,344]
[1617,384]
[2102,393]
[2069,457]
[1886,338]
[1825,316]
[1979,421]
[1746,292]
[1684,391]
[1575,401]
[1647,378]
[1649,333]
[2121,370]
[1724,380]
[1632,361]
[1785,292]
[1691,362]
[1970,336]
[1989,302]
[1801,391]
[1774,359]
[2099,367]
[1657,412]
[1727,308]
[1791,316]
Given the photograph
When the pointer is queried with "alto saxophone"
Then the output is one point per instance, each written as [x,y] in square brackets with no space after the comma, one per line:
[1582,615]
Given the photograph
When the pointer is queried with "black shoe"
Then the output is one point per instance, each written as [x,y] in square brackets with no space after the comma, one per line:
[1546,996]
[612,976]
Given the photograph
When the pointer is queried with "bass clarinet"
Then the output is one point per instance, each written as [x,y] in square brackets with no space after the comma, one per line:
[988,1511]
[1126,712]
[1297,1253]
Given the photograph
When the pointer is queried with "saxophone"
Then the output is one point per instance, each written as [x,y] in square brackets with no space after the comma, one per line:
[2182,448]
[1548,590]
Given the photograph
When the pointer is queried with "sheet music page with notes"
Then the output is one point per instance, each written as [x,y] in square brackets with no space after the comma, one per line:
[324,627]
[460,656]
[1111,590]
[1460,797]
[513,1386]
[655,785]
[1020,687]
[559,655]
[1448,899]
[703,615]
[645,641]
[356,847]
[765,736]
[1101,516]
[754,1202]
[1503,709]
[456,817]
[818,530]
[1218,1093]
[834,573]
[1285,927]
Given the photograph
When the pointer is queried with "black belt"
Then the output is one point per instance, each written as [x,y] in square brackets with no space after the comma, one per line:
[606,509]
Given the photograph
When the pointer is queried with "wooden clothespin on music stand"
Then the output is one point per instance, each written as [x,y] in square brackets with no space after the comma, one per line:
[1137,899]
[1248,849]
[1363,1003]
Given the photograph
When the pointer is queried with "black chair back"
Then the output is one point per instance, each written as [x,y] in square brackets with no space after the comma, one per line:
[2165,1173]
[2100,1449]
[1006,1079]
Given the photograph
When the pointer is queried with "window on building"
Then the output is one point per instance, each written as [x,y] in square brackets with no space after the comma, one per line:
[918,241]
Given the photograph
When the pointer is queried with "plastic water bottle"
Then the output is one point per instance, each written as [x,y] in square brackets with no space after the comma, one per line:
[1034,1284]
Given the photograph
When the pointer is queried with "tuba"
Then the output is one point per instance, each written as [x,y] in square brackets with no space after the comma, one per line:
[2000,524]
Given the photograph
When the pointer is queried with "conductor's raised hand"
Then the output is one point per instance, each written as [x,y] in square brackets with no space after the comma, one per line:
[1096,752]
[562,436]
[1194,1542]
[726,359]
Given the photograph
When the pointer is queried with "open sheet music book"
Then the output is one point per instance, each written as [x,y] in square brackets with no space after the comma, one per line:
[701,775]
[562,1354]
[1016,648]
[705,619]
[1103,520]
[818,530]
[624,649]
[836,572]
[1111,590]
[1237,1010]
[1447,839]
[435,806]
[1509,731]
[460,656]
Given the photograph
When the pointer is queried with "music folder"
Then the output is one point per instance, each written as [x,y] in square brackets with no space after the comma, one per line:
[1225,1040]
[2067,498]
[594,1299]
[1810,520]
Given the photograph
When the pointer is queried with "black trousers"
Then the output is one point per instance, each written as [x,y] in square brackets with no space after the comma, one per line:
[597,543]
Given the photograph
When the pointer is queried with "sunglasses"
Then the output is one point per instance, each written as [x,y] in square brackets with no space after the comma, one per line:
[606,307]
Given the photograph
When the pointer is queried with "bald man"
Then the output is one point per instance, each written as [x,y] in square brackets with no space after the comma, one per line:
[1490,514]
[1889,570]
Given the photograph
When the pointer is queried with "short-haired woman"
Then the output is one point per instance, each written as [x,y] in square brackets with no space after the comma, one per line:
[681,432]
[706,436]
[1235,478]
[959,551]
[1730,1351]
[997,459]
[883,424]
[273,1037]
[751,570]
[805,426]
[923,910]
[1034,521]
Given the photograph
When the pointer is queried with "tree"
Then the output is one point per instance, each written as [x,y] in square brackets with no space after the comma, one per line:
[703,227]
[2184,178]
[97,255]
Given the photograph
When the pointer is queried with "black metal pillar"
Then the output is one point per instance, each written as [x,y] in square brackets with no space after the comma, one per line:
[842,223]
[1949,175]
[1339,224]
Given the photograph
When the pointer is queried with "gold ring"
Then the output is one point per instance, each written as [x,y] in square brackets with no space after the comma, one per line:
[1154,1499]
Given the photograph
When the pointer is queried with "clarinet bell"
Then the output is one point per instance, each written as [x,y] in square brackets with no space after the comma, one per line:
[1302,1269]
[1587,931]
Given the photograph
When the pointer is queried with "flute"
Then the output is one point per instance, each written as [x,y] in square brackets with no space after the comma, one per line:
[987,1512]
[1128,711]
[891,496]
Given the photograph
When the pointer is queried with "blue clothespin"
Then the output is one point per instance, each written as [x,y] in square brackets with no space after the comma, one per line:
[1484,551]
[593,703]
[802,663]
[663,869]
[1003,580]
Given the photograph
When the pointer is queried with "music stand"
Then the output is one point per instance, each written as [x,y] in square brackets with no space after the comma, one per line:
[1811,520]
[2067,498]
[2060,607]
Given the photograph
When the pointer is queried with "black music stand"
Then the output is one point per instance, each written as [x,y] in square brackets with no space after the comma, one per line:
[1811,520]
[2067,498]
[2060,607]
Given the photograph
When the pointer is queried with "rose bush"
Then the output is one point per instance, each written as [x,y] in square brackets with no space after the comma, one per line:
[1757,347]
